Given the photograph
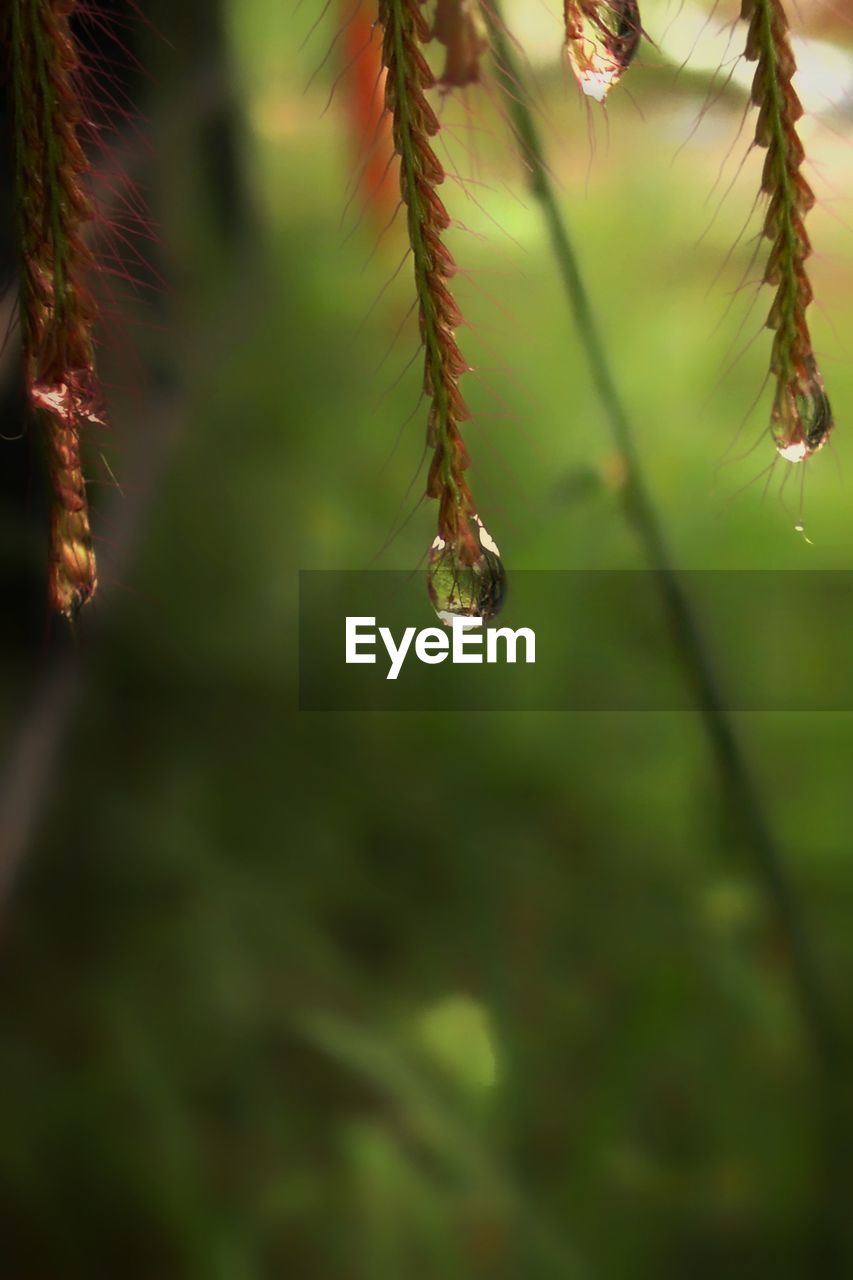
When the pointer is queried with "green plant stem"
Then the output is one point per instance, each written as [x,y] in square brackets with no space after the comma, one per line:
[738,784]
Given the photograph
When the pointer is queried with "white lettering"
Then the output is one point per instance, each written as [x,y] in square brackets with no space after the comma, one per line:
[396,655]
[353,640]
[463,636]
[432,645]
[511,637]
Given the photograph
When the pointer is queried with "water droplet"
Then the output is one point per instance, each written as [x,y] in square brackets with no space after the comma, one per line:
[602,37]
[458,589]
[795,451]
[802,415]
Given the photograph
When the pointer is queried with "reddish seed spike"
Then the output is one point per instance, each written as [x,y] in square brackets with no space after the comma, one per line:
[805,197]
[461,28]
[57,309]
[802,419]
[414,124]
[459,548]
[422,70]
[793,106]
[753,39]
[801,236]
[440,216]
[429,121]
[764,126]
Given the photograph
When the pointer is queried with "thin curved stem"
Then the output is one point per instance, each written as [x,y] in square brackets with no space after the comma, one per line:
[739,786]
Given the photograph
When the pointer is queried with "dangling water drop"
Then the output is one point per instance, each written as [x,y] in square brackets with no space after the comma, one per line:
[459,589]
[602,37]
[802,415]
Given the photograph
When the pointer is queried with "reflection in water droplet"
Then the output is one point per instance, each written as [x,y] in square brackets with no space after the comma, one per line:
[798,451]
[458,589]
[802,415]
[602,37]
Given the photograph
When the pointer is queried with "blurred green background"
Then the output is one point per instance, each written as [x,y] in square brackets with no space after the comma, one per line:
[379,996]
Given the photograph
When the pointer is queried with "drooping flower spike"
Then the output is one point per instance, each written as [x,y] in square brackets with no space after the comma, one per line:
[460,26]
[465,571]
[801,418]
[57,309]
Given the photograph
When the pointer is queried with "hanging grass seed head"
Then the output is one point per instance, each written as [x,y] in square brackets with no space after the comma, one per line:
[801,418]
[57,309]
[465,572]
[461,28]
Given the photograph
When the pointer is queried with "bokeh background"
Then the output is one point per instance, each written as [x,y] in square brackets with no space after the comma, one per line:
[441,995]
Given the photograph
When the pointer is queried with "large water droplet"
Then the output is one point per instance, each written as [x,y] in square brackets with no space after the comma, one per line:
[802,415]
[602,37]
[458,589]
